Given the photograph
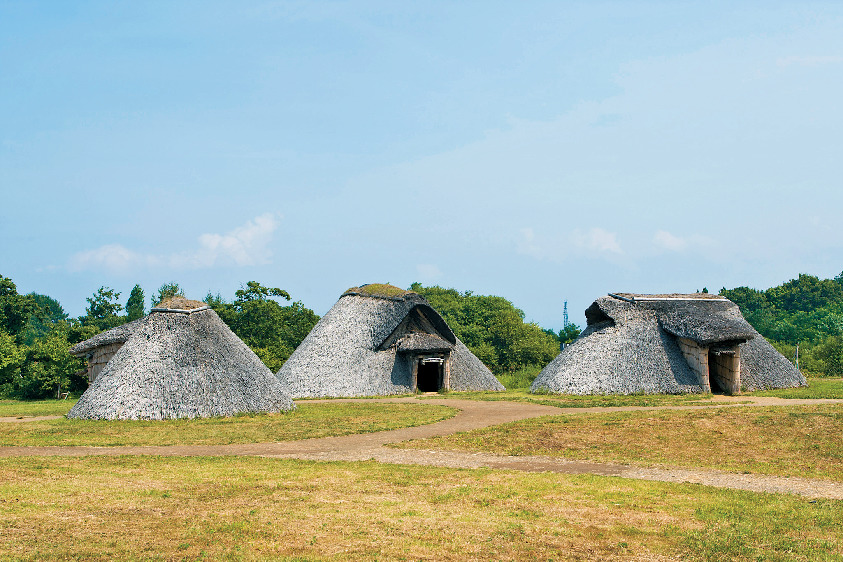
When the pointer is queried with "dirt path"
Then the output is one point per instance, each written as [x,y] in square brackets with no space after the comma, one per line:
[474,415]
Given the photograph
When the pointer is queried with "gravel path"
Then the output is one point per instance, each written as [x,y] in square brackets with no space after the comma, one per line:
[475,414]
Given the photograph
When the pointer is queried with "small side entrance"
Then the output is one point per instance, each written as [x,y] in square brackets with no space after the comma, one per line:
[724,370]
[430,373]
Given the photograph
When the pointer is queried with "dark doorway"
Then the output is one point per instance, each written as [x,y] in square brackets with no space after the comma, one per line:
[429,376]
[724,371]
[714,379]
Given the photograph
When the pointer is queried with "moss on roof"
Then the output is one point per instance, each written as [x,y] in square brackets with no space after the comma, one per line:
[180,303]
[378,290]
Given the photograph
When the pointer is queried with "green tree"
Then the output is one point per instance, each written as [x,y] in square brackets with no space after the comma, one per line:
[271,330]
[134,304]
[15,309]
[166,291]
[830,353]
[492,328]
[569,333]
[254,291]
[12,357]
[805,293]
[103,309]
[49,369]
[46,314]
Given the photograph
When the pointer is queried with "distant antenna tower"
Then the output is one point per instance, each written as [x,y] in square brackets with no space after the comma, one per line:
[565,315]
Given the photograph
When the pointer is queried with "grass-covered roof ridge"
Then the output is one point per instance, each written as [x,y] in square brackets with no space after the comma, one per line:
[378,290]
[180,303]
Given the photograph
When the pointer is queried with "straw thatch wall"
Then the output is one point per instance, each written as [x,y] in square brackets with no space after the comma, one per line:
[764,368]
[367,343]
[99,349]
[182,365]
[632,345]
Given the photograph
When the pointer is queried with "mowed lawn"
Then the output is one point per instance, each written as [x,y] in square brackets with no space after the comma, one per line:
[308,420]
[30,408]
[103,508]
[780,440]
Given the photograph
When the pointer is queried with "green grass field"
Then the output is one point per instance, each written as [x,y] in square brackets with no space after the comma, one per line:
[306,421]
[817,388]
[257,509]
[29,408]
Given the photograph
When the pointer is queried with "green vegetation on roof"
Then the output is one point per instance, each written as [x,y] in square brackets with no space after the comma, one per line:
[180,303]
[377,290]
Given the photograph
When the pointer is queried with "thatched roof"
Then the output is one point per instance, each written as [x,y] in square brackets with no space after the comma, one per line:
[179,303]
[764,368]
[419,341]
[630,346]
[705,320]
[118,334]
[178,365]
[358,347]
[380,290]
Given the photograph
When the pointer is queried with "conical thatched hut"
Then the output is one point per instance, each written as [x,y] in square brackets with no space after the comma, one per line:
[380,340]
[180,361]
[666,344]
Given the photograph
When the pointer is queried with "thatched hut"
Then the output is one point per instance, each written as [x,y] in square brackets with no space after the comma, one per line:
[670,344]
[180,361]
[99,349]
[380,340]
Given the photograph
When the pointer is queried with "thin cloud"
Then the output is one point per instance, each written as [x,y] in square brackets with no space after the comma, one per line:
[597,240]
[667,241]
[594,241]
[245,245]
[112,257]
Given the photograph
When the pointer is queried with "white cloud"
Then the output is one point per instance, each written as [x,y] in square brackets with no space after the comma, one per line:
[596,240]
[666,240]
[528,245]
[247,244]
[578,242]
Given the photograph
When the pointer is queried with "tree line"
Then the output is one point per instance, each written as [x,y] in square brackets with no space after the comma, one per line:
[36,333]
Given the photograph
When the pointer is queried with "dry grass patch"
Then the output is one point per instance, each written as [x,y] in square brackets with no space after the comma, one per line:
[306,421]
[252,508]
[785,441]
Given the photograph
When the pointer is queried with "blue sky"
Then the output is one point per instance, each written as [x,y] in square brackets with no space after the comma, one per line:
[541,151]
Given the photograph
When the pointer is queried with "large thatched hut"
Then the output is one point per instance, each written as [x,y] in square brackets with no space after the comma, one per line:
[380,340]
[180,361]
[666,344]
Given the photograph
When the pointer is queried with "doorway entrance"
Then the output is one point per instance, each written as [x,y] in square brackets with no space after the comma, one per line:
[724,370]
[429,374]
